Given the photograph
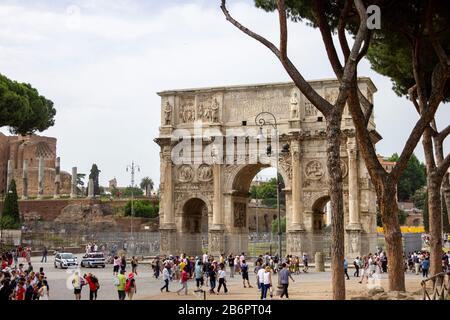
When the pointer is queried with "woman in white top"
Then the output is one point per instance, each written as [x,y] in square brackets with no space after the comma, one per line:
[43,291]
[267,283]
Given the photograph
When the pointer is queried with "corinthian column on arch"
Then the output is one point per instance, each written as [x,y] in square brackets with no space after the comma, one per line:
[297,189]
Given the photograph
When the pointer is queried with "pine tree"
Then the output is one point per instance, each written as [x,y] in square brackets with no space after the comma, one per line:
[11,215]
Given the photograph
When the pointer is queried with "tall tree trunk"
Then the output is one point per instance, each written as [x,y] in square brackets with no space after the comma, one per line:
[393,236]
[337,207]
[434,203]
[435,218]
[446,193]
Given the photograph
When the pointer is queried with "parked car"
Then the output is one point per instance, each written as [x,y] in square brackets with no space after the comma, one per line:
[65,260]
[93,259]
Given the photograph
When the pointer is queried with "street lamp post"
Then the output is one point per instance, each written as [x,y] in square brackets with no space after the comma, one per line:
[132,168]
[261,121]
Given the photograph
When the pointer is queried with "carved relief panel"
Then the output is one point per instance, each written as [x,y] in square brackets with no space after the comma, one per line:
[240,214]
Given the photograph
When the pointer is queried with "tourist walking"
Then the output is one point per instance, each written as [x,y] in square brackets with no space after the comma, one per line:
[212,278]
[231,265]
[222,278]
[123,263]
[134,265]
[356,264]
[130,286]
[284,275]
[116,265]
[305,262]
[260,276]
[94,285]
[183,281]
[120,284]
[425,267]
[346,268]
[244,272]
[198,274]
[44,255]
[166,277]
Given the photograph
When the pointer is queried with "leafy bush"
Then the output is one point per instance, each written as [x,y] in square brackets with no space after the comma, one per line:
[142,208]
[8,222]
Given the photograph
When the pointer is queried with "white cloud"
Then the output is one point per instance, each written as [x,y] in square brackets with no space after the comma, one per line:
[103,70]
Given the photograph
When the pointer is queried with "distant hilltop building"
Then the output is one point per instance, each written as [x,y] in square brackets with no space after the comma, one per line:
[387,165]
[113,184]
[20,152]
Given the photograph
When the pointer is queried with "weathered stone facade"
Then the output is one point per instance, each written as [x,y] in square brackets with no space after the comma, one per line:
[220,123]
[24,152]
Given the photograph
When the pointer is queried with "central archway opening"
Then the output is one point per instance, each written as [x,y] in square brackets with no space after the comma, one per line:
[255,188]
[195,226]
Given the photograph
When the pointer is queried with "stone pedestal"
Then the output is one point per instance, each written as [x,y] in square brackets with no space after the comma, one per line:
[216,242]
[319,262]
[296,242]
[353,243]
[168,241]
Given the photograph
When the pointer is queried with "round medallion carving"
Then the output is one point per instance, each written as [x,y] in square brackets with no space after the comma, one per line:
[204,173]
[185,173]
[314,170]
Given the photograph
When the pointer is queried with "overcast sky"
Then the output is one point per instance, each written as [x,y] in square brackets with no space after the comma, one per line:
[102,61]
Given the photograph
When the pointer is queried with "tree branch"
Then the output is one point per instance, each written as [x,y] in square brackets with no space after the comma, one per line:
[325,31]
[283,29]
[341,29]
[443,167]
[319,102]
[438,81]
[443,134]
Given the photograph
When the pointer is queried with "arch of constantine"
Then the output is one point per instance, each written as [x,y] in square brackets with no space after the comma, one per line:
[211,151]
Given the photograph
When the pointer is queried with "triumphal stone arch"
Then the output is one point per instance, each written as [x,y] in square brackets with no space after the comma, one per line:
[211,149]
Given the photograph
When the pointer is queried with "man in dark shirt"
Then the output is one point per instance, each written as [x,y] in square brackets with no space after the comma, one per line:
[284,280]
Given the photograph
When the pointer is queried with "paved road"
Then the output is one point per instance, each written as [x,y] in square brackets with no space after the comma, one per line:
[147,286]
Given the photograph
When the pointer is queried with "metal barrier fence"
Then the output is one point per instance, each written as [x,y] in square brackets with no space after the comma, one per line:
[148,243]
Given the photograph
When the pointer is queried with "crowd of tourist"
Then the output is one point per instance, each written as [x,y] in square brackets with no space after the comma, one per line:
[19,281]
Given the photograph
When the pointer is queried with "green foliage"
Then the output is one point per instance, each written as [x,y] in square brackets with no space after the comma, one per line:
[390,51]
[137,192]
[413,178]
[275,225]
[8,222]
[22,109]
[94,176]
[268,192]
[11,215]
[420,198]
[142,208]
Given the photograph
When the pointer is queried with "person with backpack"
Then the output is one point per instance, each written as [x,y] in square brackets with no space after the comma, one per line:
[183,280]
[94,285]
[120,282]
[130,286]
[244,273]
